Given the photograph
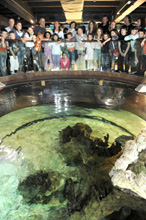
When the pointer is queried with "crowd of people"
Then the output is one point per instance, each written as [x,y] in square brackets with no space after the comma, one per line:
[101,47]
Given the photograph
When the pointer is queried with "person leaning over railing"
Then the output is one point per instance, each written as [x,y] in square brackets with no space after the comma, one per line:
[30,50]
[89,52]
[3,52]
[143,45]
[71,49]
[14,63]
[56,51]
[48,51]
[106,52]
[114,52]
[97,50]
[139,52]
[19,34]
[132,38]
[123,46]
[80,48]
[40,56]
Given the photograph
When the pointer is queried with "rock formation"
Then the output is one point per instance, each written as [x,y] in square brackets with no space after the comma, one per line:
[124,175]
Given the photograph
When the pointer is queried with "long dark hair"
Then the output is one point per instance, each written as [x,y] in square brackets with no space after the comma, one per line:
[143,22]
[94,27]
[54,27]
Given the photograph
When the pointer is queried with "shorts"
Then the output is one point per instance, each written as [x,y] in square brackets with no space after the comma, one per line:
[97,54]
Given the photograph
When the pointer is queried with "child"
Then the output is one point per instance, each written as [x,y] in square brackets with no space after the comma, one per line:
[139,51]
[14,64]
[64,62]
[30,54]
[56,51]
[132,37]
[89,52]
[40,57]
[123,47]
[3,52]
[97,51]
[113,48]
[71,49]
[143,45]
[80,48]
[105,52]
[19,35]
[48,51]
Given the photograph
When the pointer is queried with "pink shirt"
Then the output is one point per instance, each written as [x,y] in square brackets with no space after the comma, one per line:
[64,63]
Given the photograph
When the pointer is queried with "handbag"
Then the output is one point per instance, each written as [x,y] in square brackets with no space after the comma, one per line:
[115,51]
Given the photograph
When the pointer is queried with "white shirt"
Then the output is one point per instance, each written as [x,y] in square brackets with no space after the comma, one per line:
[60,34]
[8,29]
[90,50]
[29,44]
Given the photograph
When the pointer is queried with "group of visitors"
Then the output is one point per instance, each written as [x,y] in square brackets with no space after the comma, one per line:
[101,47]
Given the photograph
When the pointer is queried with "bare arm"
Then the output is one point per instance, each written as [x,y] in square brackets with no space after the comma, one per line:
[12,52]
[3,43]
[119,47]
[142,43]
[127,49]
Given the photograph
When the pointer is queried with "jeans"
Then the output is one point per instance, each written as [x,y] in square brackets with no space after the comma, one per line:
[132,59]
[20,55]
[32,59]
[3,59]
[71,57]
[105,61]
[56,60]
[123,60]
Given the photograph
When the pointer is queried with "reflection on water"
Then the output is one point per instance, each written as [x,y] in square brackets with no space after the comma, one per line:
[43,179]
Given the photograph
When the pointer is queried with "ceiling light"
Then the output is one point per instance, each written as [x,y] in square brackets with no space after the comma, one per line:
[129,2]
[31,21]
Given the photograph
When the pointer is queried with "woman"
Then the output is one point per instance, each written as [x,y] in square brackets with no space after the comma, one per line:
[57,30]
[112,26]
[72,28]
[92,28]
[141,23]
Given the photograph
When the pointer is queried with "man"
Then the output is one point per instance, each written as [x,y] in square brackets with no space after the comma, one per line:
[128,23]
[104,25]
[41,27]
[11,25]
[3,53]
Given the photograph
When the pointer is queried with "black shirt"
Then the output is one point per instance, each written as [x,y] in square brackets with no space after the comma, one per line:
[37,29]
[104,27]
[14,47]
[106,47]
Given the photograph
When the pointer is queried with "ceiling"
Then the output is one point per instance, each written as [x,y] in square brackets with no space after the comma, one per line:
[30,11]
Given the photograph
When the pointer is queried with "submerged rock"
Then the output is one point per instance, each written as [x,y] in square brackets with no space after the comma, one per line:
[123,138]
[81,132]
[40,187]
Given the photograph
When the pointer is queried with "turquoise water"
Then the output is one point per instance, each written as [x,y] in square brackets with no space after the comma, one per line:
[30,144]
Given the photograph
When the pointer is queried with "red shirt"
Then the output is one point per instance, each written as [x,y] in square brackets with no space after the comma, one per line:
[64,63]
